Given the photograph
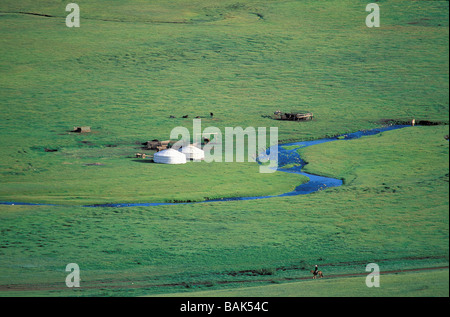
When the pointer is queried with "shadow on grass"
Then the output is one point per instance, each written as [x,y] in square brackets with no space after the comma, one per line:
[145,161]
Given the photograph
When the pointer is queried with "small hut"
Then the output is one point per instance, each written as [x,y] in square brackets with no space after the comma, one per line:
[293,116]
[169,156]
[192,152]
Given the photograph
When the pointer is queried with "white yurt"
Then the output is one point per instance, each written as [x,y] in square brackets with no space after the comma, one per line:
[169,156]
[192,152]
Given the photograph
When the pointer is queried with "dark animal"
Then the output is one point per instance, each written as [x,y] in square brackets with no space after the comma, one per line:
[185,117]
[211,114]
[172,117]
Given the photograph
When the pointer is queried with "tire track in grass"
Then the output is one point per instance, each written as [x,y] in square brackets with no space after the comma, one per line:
[94,19]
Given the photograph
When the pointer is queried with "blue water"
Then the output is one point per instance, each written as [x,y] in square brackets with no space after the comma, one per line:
[285,157]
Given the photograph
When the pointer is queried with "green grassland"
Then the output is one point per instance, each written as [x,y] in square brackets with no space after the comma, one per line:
[132,64]
[126,70]
[417,284]
[169,249]
[125,180]
[384,162]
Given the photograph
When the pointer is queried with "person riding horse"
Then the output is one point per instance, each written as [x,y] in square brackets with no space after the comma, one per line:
[316,272]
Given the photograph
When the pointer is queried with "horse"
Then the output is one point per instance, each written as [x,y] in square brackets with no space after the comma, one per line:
[319,273]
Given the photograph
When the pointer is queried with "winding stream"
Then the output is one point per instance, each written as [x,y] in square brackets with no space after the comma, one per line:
[285,157]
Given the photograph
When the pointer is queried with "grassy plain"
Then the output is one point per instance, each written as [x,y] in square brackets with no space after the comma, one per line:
[398,223]
[126,180]
[126,70]
[416,284]
[132,64]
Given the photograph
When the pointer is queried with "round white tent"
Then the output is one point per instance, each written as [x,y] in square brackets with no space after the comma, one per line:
[193,152]
[169,156]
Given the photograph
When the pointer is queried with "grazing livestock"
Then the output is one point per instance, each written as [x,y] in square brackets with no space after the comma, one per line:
[141,155]
[185,117]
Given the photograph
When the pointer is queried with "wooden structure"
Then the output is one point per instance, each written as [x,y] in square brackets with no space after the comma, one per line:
[157,145]
[294,116]
[81,129]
